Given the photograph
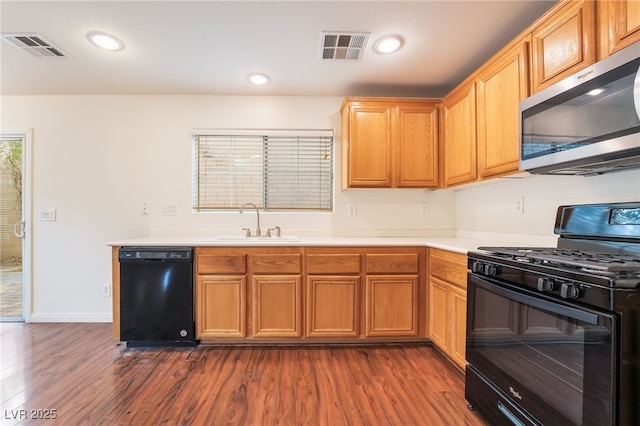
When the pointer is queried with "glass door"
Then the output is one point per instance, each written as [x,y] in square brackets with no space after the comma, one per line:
[12,227]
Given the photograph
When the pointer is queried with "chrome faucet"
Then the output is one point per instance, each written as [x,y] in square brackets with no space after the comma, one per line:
[258,230]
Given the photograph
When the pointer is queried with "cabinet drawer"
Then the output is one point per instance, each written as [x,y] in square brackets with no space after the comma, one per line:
[400,263]
[276,263]
[232,263]
[347,263]
[448,266]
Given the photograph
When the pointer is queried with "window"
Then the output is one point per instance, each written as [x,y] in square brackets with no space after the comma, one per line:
[276,170]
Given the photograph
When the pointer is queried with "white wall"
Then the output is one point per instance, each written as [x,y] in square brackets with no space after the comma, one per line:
[485,210]
[97,159]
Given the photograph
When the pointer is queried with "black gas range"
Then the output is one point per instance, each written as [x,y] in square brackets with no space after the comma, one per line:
[553,334]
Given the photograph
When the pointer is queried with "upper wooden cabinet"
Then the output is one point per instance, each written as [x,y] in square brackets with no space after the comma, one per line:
[416,145]
[366,143]
[618,25]
[389,143]
[458,143]
[564,43]
[501,85]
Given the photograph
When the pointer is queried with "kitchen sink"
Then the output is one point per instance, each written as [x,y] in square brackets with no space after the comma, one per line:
[235,238]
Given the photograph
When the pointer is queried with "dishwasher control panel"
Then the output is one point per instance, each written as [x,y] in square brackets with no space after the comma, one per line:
[173,253]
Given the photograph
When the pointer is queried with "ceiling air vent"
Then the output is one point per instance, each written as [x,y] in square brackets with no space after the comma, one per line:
[35,44]
[337,45]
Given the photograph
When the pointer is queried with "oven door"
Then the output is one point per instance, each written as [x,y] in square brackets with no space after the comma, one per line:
[552,362]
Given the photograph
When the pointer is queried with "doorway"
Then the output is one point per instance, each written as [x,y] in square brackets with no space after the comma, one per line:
[13,274]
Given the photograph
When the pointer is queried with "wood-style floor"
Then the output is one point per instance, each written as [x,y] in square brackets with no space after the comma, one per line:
[80,375]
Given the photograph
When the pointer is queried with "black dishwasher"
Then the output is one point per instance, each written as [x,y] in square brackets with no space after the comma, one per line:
[156,296]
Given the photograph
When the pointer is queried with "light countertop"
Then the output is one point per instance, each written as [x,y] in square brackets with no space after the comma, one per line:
[454,244]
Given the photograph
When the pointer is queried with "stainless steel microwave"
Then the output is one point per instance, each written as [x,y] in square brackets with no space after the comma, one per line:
[586,124]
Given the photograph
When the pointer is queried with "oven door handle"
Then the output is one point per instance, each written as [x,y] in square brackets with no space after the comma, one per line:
[636,93]
[509,415]
[556,308]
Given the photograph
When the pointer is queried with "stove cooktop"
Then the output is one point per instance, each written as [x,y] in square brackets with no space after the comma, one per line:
[607,263]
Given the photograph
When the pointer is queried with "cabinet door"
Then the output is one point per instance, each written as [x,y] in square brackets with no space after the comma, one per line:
[332,306]
[564,44]
[220,302]
[458,325]
[417,146]
[459,136]
[392,305]
[618,25]
[500,88]
[367,139]
[438,313]
[277,306]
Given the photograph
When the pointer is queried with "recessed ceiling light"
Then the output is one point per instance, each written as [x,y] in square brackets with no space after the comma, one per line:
[105,41]
[388,44]
[259,79]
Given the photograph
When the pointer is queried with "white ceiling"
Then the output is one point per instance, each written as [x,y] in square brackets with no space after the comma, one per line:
[209,47]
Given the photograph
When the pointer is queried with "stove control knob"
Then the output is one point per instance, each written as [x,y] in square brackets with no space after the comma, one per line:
[491,270]
[569,291]
[477,267]
[545,284]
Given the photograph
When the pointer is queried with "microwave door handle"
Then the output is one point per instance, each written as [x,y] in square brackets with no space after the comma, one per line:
[636,93]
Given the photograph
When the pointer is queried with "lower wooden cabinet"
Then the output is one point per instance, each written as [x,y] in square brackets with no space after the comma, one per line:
[438,312]
[277,306]
[276,288]
[221,286]
[447,303]
[284,294]
[221,306]
[392,293]
[332,306]
[392,305]
[458,324]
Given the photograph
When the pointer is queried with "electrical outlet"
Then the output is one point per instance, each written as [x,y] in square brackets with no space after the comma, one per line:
[352,210]
[168,209]
[518,204]
[106,290]
[47,215]
[424,209]
[145,209]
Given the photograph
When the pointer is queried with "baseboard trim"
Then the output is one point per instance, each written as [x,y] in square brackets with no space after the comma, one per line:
[70,317]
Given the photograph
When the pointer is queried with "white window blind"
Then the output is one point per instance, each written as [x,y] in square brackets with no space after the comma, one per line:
[278,171]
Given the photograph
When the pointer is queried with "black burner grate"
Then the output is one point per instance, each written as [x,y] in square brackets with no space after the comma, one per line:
[558,257]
